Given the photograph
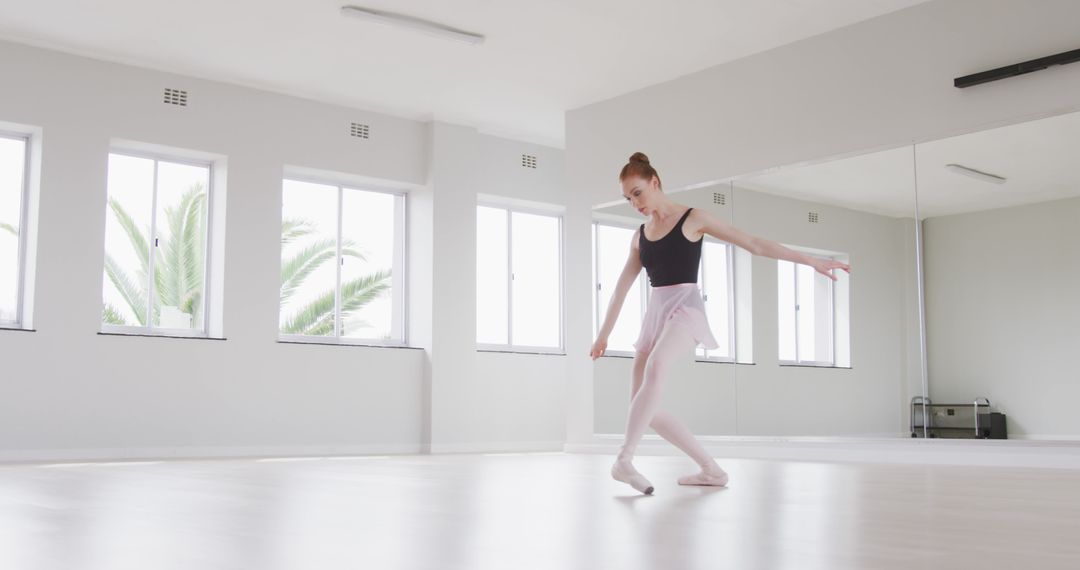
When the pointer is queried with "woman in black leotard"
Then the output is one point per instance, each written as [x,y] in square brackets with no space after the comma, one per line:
[668,246]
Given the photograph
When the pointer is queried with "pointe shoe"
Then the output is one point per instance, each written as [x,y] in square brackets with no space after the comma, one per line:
[713,476]
[624,472]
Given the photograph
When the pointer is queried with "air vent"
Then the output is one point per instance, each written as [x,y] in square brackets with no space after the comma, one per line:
[360,131]
[718,198]
[176,97]
[813,217]
[528,161]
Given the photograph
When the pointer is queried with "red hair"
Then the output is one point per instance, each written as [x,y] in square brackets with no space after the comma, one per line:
[639,166]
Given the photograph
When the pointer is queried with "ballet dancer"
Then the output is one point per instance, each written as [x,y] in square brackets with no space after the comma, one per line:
[668,246]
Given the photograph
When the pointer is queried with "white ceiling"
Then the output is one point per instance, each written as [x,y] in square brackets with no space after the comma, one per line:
[879,183]
[540,58]
[1038,158]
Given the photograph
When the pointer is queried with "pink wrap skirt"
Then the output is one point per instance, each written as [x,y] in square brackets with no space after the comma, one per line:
[683,299]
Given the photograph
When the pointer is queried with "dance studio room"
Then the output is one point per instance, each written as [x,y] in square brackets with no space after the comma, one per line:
[556,285]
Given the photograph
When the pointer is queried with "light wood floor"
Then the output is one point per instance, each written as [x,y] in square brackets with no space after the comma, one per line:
[544,511]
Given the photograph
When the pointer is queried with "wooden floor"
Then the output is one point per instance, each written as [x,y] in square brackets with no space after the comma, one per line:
[544,511]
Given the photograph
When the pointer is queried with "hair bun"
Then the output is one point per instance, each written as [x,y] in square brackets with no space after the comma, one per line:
[639,157]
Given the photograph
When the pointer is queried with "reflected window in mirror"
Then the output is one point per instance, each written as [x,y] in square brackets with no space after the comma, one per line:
[813,324]
[611,246]
[717,282]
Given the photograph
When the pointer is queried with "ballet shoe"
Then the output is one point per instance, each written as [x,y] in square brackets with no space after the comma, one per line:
[712,476]
[624,472]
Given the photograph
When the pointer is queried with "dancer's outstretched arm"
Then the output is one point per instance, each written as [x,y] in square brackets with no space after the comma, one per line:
[701,222]
[630,272]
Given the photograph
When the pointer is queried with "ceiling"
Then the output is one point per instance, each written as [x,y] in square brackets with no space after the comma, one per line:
[1037,158]
[540,58]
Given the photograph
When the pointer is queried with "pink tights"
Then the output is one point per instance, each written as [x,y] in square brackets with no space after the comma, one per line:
[650,371]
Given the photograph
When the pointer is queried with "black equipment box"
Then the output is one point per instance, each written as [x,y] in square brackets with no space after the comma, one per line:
[964,421]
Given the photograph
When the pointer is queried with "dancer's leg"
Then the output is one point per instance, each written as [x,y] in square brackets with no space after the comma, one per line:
[668,426]
[675,340]
[673,430]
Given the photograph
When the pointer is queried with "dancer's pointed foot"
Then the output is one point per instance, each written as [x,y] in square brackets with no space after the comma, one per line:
[711,475]
[623,471]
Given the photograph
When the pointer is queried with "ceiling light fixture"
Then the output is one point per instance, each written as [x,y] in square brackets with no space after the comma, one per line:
[409,22]
[976,174]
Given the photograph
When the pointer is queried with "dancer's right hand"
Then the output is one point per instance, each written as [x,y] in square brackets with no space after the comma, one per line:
[598,348]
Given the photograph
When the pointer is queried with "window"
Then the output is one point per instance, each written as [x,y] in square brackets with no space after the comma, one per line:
[611,246]
[519,279]
[13,175]
[342,264]
[813,321]
[155,270]
[717,283]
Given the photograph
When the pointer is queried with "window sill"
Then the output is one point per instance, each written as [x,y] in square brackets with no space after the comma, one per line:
[160,335]
[793,365]
[15,328]
[513,351]
[359,344]
[702,360]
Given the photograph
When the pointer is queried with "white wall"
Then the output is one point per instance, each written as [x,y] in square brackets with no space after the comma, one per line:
[878,84]
[70,393]
[1003,317]
[768,399]
[485,400]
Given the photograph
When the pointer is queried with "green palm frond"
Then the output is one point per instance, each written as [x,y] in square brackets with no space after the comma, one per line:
[296,269]
[348,249]
[359,292]
[111,315]
[194,239]
[179,266]
[179,274]
[9,228]
[317,317]
[132,294]
[293,228]
[311,317]
[325,326]
[197,249]
[135,236]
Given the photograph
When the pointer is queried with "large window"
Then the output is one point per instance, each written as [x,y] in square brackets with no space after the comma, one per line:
[611,247]
[342,264]
[155,245]
[716,279]
[519,280]
[13,161]
[813,321]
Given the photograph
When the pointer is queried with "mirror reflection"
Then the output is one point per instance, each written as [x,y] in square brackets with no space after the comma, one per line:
[999,213]
[801,355]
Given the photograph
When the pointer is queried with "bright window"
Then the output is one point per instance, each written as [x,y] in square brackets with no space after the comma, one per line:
[519,279]
[342,264]
[812,312]
[717,283]
[611,246]
[13,160]
[155,245]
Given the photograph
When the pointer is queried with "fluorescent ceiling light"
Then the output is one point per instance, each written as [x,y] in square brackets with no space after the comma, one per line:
[976,174]
[409,22]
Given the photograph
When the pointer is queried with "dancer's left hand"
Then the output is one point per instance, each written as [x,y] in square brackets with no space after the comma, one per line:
[825,267]
[598,348]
